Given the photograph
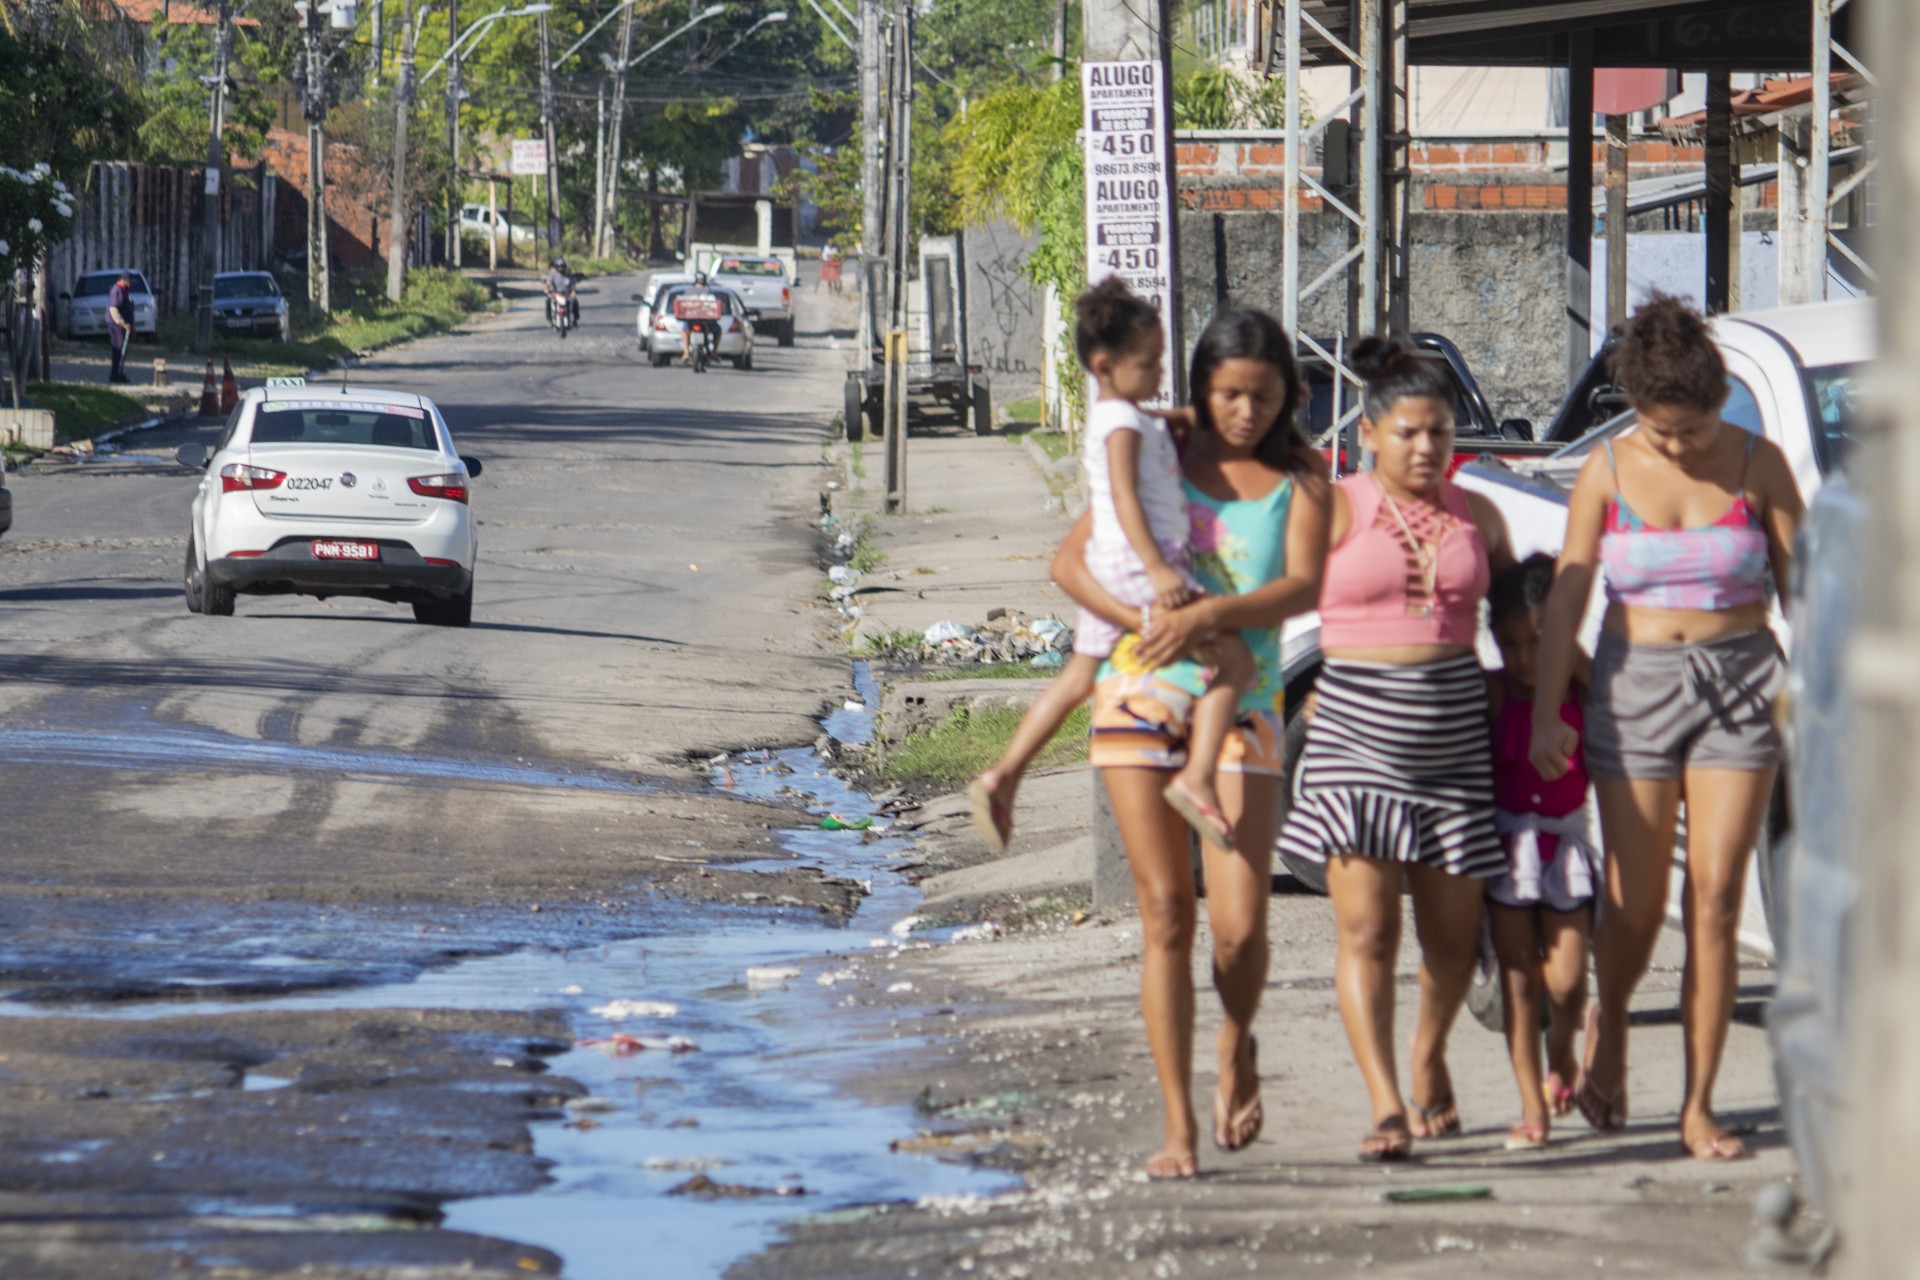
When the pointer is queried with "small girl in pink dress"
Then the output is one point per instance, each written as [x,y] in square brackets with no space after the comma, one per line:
[1541,910]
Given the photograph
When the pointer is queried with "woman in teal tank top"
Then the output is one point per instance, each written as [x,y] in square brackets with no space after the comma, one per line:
[1259,500]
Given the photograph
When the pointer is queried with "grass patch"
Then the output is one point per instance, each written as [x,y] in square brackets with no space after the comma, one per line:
[609,266]
[985,671]
[866,557]
[1052,443]
[968,741]
[887,641]
[1028,410]
[925,570]
[363,320]
[82,409]
[859,460]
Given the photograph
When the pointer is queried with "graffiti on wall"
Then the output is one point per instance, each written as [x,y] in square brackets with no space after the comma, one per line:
[1003,306]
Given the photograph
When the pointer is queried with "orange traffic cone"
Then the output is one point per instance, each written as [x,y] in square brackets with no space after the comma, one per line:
[209,398]
[229,389]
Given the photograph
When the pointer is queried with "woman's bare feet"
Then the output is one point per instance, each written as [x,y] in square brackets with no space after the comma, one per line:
[1169,1163]
[1706,1141]
[990,797]
[1390,1141]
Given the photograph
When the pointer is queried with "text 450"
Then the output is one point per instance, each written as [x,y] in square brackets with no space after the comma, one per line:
[1126,144]
[1131,260]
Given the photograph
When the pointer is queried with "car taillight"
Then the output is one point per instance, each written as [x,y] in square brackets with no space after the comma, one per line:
[786,296]
[451,485]
[236,476]
[660,322]
[726,324]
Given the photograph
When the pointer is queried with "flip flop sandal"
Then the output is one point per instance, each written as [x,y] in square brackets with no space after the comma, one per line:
[1559,1097]
[1427,1114]
[1253,1113]
[1395,1143]
[1607,1115]
[993,820]
[1526,1137]
[1201,816]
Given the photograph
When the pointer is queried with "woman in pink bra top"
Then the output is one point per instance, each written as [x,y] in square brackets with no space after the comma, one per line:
[1690,522]
[1396,777]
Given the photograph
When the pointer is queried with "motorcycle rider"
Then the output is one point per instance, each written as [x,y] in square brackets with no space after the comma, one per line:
[688,328]
[560,290]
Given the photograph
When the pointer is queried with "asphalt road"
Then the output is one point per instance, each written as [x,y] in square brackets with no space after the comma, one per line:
[314,793]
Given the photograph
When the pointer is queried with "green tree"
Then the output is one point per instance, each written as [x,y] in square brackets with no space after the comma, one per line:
[57,108]
[177,104]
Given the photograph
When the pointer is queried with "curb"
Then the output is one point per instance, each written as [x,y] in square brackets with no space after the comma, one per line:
[1064,473]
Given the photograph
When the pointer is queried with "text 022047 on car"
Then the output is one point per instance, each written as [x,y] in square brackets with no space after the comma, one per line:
[335,493]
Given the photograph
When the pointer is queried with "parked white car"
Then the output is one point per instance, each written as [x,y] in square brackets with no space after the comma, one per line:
[341,493]
[481,220]
[661,337]
[81,312]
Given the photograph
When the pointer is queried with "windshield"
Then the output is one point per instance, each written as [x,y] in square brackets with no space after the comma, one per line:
[749,267]
[100,283]
[1833,407]
[385,426]
[243,287]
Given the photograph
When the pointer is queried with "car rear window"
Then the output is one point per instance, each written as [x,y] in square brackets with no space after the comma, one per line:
[100,284]
[749,267]
[243,287]
[386,426]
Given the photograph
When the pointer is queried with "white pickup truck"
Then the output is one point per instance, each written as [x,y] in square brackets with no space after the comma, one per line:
[764,286]
[1794,376]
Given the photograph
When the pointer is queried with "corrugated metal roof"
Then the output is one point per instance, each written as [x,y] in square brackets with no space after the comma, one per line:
[1688,35]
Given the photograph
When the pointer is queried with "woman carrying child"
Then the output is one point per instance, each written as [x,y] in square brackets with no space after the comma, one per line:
[1257,496]
[1540,910]
[1692,520]
[1139,554]
[1396,778]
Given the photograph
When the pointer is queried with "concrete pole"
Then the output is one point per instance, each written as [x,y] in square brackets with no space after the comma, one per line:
[397,219]
[1819,153]
[873,81]
[1798,225]
[455,187]
[599,163]
[319,264]
[899,201]
[553,150]
[493,225]
[1579,205]
[216,158]
[1719,201]
[1059,46]
[1880,1157]
[1618,144]
[614,149]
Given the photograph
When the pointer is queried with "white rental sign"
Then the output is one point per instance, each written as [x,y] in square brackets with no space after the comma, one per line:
[530,156]
[1129,203]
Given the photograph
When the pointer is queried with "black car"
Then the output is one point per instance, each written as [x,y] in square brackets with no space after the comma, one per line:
[249,302]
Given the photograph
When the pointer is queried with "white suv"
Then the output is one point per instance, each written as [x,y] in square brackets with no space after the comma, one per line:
[480,220]
[334,493]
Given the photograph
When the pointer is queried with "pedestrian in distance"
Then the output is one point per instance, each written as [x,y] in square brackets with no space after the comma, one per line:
[1396,776]
[1540,910]
[1257,498]
[119,326]
[1140,555]
[1690,521]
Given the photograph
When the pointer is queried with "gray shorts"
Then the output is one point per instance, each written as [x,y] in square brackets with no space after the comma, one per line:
[1658,710]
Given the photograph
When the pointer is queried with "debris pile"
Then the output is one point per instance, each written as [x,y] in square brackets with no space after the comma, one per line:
[1004,638]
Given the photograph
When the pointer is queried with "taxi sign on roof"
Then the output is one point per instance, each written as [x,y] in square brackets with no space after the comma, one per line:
[287,382]
[343,406]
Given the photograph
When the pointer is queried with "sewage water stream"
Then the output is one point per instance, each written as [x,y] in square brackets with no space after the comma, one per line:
[754,1105]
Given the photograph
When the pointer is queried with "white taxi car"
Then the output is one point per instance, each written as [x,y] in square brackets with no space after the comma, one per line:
[333,492]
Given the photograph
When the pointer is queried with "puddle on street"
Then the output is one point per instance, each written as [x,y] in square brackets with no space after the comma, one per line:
[169,748]
[752,1105]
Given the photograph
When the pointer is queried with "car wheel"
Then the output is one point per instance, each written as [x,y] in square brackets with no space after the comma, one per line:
[190,576]
[216,599]
[786,334]
[1312,875]
[856,409]
[455,612]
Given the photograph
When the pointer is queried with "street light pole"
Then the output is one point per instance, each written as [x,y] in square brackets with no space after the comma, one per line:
[546,126]
[605,249]
[314,108]
[210,213]
[397,209]
[453,134]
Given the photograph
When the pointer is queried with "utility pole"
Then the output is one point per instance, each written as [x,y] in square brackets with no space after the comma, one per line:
[614,153]
[1059,48]
[899,195]
[397,217]
[599,163]
[216,157]
[314,107]
[454,185]
[546,127]
[873,115]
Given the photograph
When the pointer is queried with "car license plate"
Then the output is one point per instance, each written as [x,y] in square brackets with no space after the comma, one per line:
[333,549]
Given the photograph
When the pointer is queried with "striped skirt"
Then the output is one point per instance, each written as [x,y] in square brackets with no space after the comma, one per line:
[1398,764]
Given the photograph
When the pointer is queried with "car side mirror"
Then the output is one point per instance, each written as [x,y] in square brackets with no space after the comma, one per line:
[193,456]
[1516,429]
[637,297]
[679,255]
[473,467]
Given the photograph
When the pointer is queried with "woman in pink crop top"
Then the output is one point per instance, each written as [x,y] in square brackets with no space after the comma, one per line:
[1690,521]
[1396,778]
